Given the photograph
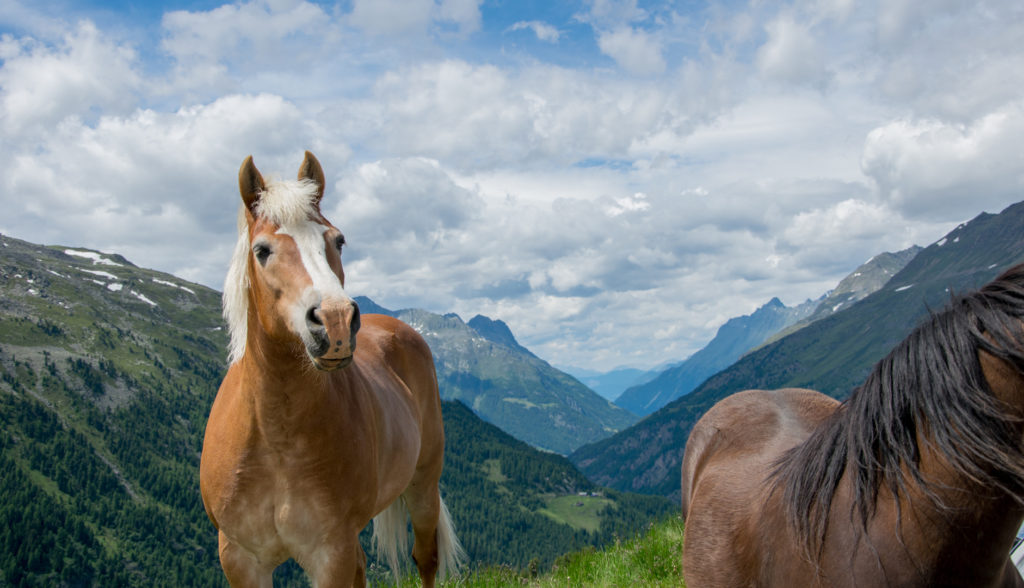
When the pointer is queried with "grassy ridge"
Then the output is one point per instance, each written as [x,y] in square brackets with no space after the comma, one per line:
[652,560]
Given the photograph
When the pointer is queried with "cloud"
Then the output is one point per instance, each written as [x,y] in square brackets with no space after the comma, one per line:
[83,74]
[636,202]
[241,33]
[465,14]
[484,116]
[391,17]
[544,31]
[609,13]
[791,54]
[635,50]
[931,169]
[398,17]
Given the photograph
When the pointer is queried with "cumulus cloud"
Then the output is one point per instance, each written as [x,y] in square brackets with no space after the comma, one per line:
[635,50]
[83,74]
[483,116]
[933,169]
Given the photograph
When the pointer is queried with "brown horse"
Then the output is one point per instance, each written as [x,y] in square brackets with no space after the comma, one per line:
[325,419]
[916,480]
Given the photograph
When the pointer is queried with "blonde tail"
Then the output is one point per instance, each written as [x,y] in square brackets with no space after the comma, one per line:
[391,535]
[450,555]
[391,540]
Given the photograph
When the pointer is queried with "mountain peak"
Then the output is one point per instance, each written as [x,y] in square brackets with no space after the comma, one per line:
[495,331]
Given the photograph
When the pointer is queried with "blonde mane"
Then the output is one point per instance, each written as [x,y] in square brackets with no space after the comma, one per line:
[282,203]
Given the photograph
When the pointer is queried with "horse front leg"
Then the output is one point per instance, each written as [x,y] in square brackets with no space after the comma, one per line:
[241,567]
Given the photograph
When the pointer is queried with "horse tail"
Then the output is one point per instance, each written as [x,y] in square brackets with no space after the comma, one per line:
[450,555]
[391,539]
[391,535]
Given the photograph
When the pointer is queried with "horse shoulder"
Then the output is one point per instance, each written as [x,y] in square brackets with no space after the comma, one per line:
[228,429]
[394,343]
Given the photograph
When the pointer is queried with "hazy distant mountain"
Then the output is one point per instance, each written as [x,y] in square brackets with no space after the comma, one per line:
[482,365]
[610,385]
[833,354]
[737,336]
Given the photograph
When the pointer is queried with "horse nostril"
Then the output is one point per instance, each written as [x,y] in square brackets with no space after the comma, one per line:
[355,319]
[313,318]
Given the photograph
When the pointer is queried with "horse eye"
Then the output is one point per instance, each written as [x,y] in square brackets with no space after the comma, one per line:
[262,253]
[339,242]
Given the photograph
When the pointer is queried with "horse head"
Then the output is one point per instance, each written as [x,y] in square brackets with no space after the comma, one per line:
[293,266]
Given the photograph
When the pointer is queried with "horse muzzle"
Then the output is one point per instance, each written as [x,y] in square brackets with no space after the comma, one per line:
[332,328]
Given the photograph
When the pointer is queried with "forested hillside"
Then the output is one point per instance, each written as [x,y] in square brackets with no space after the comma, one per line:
[107,374]
[516,504]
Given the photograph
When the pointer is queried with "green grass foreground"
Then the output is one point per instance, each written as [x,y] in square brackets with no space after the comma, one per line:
[651,560]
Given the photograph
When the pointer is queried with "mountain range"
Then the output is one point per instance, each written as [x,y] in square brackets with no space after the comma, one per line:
[832,354]
[737,336]
[107,374]
[867,279]
[768,323]
[481,364]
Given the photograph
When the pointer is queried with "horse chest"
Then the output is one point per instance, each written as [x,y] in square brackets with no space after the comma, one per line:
[284,505]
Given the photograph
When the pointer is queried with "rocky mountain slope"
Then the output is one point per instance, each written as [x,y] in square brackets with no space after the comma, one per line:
[833,354]
[867,279]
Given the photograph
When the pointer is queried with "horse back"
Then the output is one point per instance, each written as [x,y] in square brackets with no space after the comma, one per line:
[729,456]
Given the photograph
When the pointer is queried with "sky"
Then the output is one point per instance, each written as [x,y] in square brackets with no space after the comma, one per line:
[612,178]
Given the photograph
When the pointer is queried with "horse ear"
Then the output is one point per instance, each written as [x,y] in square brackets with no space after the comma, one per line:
[250,183]
[311,170]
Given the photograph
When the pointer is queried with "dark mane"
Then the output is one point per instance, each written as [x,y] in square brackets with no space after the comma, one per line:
[932,383]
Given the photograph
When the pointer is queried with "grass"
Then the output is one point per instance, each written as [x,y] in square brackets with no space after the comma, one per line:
[579,512]
[653,560]
[492,467]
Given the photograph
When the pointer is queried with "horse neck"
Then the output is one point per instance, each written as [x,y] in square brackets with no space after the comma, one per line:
[968,529]
[286,392]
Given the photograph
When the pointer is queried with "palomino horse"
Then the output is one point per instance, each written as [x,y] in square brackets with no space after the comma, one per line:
[317,429]
[916,480]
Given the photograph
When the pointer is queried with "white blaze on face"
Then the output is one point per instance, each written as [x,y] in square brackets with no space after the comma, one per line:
[309,239]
